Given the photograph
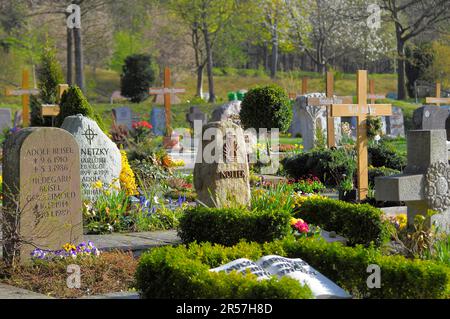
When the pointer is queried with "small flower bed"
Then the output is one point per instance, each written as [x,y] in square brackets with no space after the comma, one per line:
[109,272]
[309,185]
[68,251]
[142,130]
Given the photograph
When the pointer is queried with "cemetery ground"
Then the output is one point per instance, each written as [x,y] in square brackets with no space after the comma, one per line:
[145,228]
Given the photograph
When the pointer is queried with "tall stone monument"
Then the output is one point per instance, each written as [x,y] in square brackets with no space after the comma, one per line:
[41,192]
[221,173]
[100,158]
[424,183]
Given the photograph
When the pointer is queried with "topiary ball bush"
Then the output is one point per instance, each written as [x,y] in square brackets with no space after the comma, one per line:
[266,107]
[73,102]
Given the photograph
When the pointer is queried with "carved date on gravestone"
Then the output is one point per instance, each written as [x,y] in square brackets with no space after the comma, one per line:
[42,188]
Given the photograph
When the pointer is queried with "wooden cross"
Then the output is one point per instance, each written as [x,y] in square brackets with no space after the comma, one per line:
[361,111]
[438,99]
[304,85]
[167,91]
[25,92]
[329,100]
[372,96]
[52,110]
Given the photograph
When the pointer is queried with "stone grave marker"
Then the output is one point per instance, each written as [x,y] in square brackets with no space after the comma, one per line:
[41,171]
[158,121]
[5,119]
[221,173]
[229,111]
[308,118]
[430,117]
[100,158]
[195,114]
[123,116]
[424,183]
[395,125]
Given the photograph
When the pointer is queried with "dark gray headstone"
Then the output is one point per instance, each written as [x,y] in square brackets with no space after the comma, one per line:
[395,123]
[196,115]
[229,111]
[124,116]
[430,117]
[158,121]
[5,119]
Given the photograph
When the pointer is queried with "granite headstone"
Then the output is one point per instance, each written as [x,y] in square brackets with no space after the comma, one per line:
[100,158]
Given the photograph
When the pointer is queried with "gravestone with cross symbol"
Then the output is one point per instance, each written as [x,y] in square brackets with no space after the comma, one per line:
[25,92]
[167,92]
[195,114]
[361,111]
[101,160]
[424,183]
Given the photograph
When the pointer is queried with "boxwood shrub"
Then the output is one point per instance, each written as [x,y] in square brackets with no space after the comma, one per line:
[329,165]
[359,223]
[182,272]
[227,226]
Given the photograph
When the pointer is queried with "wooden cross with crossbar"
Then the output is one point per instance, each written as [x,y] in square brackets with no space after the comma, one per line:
[25,92]
[361,111]
[167,92]
[438,99]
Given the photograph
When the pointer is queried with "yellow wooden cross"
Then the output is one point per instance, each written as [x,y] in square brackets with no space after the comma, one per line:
[167,91]
[52,110]
[25,92]
[372,96]
[361,111]
[438,99]
[304,85]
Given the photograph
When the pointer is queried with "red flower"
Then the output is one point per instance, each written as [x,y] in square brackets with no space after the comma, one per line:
[142,124]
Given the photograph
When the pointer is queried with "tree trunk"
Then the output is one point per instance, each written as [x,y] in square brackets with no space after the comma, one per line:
[266,57]
[274,66]
[200,80]
[69,76]
[401,85]
[79,60]
[209,64]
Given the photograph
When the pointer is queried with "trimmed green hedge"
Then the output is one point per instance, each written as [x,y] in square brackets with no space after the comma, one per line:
[359,223]
[227,226]
[182,272]
[401,278]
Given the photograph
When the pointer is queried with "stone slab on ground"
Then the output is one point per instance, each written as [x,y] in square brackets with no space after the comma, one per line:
[10,292]
[135,242]
[394,211]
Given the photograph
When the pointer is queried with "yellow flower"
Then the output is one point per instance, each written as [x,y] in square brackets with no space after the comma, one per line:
[69,247]
[98,185]
[127,177]
[402,220]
